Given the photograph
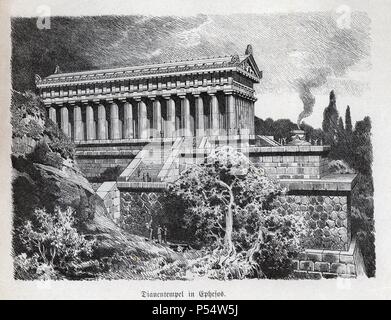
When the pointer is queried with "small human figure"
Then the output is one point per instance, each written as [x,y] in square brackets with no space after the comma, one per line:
[159,234]
[165,234]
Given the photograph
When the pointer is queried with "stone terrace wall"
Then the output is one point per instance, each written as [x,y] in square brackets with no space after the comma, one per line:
[96,157]
[330,263]
[93,167]
[326,217]
[292,165]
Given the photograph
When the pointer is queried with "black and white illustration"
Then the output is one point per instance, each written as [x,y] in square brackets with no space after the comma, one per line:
[197,147]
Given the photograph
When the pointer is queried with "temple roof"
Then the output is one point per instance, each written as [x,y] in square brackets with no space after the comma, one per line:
[244,64]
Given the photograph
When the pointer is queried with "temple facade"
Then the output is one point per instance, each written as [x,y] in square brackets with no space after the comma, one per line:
[212,96]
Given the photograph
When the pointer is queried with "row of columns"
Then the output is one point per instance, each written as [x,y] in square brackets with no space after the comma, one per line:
[238,115]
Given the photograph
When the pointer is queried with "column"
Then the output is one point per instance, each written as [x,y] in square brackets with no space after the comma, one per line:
[52,114]
[199,116]
[101,122]
[90,125]
[214,115]
[64,120]
[185,116]
[128,121]
[253,115]
[114,122]
[231,114]
[157,117]
[77,123]
[170,124]
[142,120]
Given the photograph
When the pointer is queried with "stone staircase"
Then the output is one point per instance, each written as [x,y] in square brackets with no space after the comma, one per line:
[146,166]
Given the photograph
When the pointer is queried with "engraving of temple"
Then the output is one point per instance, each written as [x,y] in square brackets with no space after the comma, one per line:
[152,121]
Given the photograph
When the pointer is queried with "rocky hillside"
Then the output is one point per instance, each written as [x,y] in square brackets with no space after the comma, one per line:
[45,176]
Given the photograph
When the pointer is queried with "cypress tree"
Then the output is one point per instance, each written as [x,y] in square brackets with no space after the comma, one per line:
[330,120]
[348,121]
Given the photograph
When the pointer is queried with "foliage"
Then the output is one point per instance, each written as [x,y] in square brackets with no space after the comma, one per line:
[282,129]
[42,154]
[27,115]
[364,229]
[58,141]
[348,121]
[230,201]
[353,149]
[51,244]
[111,174]
[28,118]
[330,120]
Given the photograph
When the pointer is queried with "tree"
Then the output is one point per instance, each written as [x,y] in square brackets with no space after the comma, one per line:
[231,201]
[348,122]
[330,120]
[362,160]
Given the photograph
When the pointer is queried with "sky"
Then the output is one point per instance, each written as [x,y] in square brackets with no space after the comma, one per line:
[300,53]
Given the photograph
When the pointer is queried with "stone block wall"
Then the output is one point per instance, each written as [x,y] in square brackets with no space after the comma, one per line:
[293,166]
[316,264]
[110,194]
[325,216]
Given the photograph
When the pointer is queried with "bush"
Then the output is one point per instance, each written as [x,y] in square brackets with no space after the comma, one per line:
[51,247]
[26,112]
[58,141]
[42,154]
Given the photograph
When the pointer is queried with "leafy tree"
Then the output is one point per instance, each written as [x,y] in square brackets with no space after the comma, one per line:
[230,200]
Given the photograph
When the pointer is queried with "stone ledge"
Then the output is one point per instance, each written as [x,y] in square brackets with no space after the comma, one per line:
[331,182]
[142,185]
[290,149]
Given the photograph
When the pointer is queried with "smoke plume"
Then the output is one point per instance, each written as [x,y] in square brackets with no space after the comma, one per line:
[308,103]
[317,79]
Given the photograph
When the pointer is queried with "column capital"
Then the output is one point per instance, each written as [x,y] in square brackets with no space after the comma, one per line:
[167,97]
[228,92]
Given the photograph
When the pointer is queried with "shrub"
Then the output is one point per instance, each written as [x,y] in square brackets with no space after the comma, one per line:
[58,141]
[42,154]
[26,111]
[51,245]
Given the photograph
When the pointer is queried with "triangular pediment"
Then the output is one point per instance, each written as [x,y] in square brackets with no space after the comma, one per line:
[249,65]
